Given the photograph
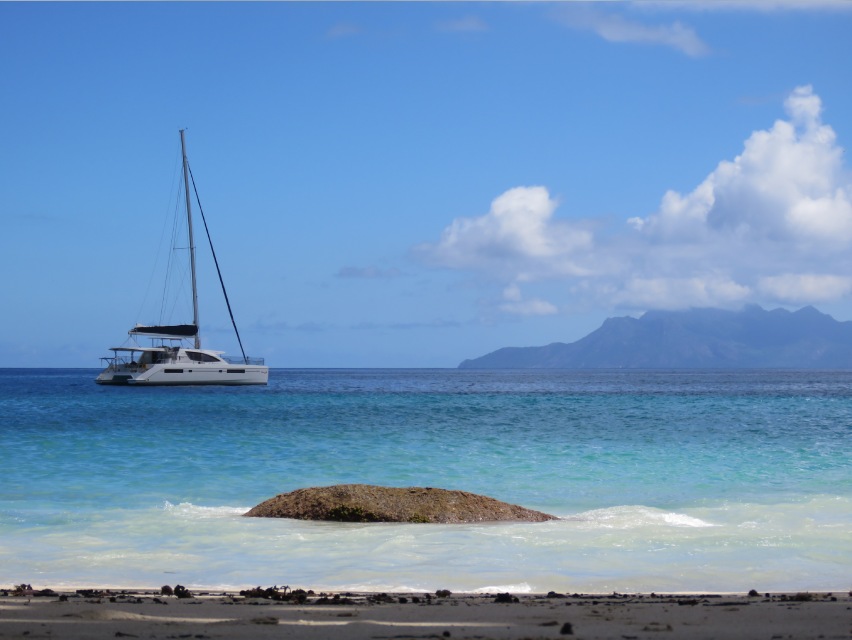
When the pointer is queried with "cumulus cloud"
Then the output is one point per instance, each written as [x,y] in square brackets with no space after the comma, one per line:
[772,225]
[786,186]
[517,234]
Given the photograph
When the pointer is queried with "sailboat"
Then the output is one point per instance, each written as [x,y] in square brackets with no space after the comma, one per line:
[171,360]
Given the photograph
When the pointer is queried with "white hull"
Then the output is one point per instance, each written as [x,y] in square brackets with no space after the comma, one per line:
[161,375]
[151,367]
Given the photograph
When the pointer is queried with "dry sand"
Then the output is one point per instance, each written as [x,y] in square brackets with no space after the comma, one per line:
[140,614]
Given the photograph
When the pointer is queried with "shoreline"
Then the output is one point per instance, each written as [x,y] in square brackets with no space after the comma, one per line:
[271,612]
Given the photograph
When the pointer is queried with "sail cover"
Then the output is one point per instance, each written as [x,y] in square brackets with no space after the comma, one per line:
[166,331]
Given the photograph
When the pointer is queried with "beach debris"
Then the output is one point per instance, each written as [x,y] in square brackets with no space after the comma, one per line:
[506,598]
[380,598]
[799,597]
[270,593]
[370,503]
[27,590]
[753,594]
[335,599]
[567,629]
[166,590]
[181,591]
[94,593]
[282,594]
[300,596]
[443,593]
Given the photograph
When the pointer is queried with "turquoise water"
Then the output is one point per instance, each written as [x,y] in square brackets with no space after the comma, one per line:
[666,481]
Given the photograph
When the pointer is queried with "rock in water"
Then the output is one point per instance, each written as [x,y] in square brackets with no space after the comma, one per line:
[368,503]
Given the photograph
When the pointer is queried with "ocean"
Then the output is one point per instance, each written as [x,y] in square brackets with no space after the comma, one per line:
[665,481]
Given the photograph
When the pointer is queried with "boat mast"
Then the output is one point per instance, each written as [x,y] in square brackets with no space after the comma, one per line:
[191,240]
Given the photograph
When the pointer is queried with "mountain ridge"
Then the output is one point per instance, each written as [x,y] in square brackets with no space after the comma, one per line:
[696,338]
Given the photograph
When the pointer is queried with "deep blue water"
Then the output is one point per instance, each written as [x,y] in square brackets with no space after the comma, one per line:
[651,467]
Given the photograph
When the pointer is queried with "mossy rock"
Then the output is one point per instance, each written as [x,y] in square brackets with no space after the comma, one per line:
[370,503]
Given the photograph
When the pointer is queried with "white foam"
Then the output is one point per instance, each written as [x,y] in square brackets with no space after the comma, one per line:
[636,516]
[682,520]
[373,588]
[793,546]
[187,509]
[521,587]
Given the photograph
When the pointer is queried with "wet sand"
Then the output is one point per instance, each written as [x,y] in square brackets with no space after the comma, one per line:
[93,614]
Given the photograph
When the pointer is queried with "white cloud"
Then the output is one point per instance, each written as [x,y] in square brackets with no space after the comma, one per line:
[514,303]
[466,24]
[772,225]
[793,287]
[368,273]
[517,234]
[534,307]
[343,30]
[615,27]
[679,293]
[747,5]
[785,186]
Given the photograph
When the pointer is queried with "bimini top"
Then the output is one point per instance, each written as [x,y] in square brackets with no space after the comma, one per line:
[165,331]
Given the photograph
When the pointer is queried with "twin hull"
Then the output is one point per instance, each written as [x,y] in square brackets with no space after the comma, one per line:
[174,374]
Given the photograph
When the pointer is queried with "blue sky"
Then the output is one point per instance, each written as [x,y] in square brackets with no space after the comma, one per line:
[413,184]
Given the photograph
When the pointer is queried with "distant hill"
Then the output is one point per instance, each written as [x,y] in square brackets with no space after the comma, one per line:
[698,338]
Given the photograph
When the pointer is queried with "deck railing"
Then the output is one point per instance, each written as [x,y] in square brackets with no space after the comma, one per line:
[238,360]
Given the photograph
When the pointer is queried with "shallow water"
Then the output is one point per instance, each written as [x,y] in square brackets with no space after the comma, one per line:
[666,481]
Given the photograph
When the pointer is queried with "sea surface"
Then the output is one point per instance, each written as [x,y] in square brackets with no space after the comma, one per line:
[665,481]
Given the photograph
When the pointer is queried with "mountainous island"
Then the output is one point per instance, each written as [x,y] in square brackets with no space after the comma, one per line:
[695,339]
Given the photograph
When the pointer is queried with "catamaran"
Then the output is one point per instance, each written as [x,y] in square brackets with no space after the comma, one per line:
[170,360]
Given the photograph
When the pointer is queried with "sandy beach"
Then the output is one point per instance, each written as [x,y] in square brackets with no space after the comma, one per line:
[92,613]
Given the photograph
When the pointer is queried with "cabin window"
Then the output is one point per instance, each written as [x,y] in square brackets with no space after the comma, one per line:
[198,356]
[172,370]
[236,370]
